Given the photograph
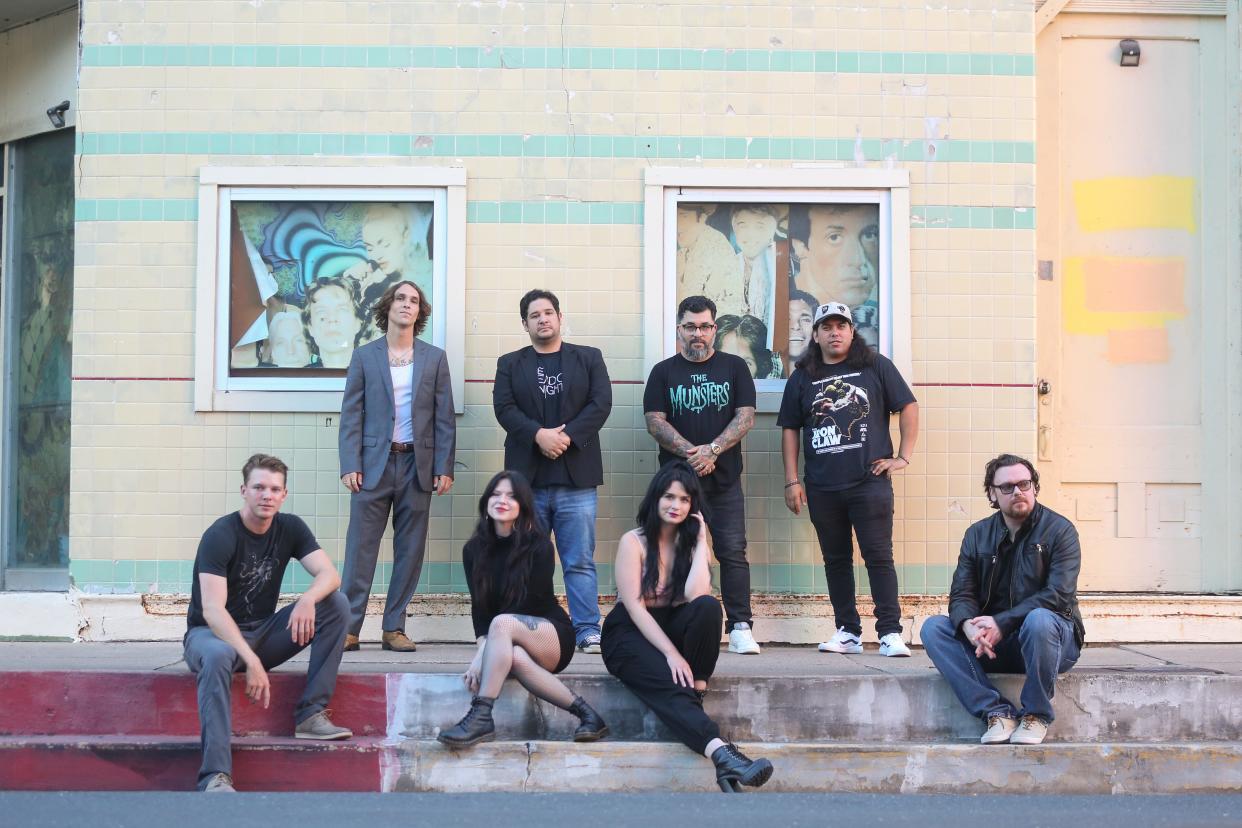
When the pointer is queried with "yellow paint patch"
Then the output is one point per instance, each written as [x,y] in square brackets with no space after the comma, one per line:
[1130,285]
[1138,347]
[1079,317]
[1121,203]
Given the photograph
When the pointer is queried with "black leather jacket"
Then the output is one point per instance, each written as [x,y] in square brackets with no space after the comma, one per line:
[1044,573]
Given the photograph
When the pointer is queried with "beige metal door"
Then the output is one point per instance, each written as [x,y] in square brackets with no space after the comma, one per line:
[1124,333]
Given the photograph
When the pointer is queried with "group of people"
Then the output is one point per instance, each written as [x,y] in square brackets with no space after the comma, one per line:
[1012,606]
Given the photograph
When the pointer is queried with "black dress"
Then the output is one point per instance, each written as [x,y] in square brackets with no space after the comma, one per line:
[540,601]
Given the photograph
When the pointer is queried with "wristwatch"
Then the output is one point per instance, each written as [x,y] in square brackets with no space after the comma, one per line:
[715,447]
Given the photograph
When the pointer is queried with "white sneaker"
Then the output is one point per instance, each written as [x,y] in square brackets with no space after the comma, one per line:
[742,640]
[1000,728]
[891,645]
[1031,731]
[842,642]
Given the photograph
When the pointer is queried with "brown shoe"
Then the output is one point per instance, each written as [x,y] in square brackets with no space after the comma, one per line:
[351,643]
[321,728]
[398,641]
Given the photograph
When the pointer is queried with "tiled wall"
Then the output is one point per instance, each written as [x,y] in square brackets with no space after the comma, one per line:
[554,109]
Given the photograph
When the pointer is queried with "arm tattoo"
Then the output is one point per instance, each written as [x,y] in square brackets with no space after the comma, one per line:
[662,430]
[741,423]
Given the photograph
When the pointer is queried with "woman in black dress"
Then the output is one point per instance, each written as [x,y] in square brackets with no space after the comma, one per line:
[663,637]
[521,629]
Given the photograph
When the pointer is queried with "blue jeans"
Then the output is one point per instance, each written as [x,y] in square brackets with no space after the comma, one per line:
[569,514]
[1042,648]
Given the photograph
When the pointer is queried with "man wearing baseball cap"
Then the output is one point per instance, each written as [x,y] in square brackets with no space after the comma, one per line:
[840,397]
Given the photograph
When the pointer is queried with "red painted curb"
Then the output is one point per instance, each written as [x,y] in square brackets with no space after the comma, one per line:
[74,763]
[87,703]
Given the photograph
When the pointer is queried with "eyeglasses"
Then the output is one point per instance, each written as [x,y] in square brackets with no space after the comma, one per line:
[704,329]
[1021,485]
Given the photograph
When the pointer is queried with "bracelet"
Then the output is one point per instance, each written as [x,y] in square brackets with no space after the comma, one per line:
[906,459]
[793,483]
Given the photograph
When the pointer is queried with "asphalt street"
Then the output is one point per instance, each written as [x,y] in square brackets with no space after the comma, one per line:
[143,810]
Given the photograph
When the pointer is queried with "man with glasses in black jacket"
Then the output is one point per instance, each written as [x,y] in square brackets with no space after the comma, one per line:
[1013,607]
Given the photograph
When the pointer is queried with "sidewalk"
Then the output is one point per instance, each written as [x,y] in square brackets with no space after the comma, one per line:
[775,662]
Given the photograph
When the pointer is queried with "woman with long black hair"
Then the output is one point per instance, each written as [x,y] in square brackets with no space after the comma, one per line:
[663,637]
[521,629]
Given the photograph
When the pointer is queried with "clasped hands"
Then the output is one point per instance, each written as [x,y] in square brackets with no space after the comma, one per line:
[983,632]
[552,442]
[702,459]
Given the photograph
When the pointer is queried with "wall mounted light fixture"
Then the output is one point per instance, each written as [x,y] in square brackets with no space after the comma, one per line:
[1130,53]
[56,114]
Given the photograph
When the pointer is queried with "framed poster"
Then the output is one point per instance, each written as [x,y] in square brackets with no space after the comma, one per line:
[296,273]
[768,253]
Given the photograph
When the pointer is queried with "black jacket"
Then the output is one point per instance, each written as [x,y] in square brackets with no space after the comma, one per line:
[585,405]
[1044,572]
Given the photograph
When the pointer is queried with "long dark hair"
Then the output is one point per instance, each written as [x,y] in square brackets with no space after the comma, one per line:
[649,523]
[860,354]
[527,535]
[380,312]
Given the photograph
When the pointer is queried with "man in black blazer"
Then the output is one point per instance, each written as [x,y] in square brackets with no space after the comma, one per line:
[552,398]
[397,442]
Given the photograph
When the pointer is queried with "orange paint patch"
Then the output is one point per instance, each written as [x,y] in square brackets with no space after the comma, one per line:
[1138,347]
[1123,285]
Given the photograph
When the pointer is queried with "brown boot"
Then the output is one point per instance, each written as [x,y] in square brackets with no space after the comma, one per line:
[398,641]
[351,643]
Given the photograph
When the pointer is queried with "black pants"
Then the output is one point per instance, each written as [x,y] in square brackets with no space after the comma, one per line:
[694,629]
[725,513]
[868,509]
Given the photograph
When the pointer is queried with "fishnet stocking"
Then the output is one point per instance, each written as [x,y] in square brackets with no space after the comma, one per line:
[528,648]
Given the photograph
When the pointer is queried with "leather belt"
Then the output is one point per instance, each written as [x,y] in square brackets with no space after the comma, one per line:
[402,448]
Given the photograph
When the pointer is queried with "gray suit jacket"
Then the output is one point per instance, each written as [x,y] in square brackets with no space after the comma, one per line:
[367,414]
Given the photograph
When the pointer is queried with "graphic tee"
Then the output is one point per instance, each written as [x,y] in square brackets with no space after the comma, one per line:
[700,399]
[549,381]
[252,564]
[844,419]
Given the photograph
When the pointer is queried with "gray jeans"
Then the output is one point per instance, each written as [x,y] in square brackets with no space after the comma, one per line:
[214,662]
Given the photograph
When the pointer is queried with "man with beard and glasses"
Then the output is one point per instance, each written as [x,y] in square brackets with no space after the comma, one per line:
[699,404]
[1013,607]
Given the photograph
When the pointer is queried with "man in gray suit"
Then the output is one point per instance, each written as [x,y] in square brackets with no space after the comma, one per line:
[397,442]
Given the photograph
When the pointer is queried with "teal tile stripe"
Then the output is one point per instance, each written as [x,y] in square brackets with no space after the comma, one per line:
[173,577]
[684,147]
[931,217]
[573,57]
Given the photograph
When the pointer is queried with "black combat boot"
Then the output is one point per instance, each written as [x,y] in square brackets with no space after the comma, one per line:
[593,727]
[734,768]
[476,726]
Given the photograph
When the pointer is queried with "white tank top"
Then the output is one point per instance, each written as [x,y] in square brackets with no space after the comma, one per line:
[403,395]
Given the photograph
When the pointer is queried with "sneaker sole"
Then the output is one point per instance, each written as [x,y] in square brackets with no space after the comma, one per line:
[486,737]
[590,649]
[895,655]
[1027,743]
[1003,741]
[334,738]
[849,651]
[748,651]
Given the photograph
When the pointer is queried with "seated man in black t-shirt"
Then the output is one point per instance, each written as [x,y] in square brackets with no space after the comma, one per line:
[234,625]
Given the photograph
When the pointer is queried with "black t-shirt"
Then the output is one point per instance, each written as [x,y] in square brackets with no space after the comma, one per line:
[253,565]
[700,399]
[844,419]
[549,380]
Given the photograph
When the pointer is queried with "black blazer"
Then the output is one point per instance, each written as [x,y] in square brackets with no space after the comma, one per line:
[585,405]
